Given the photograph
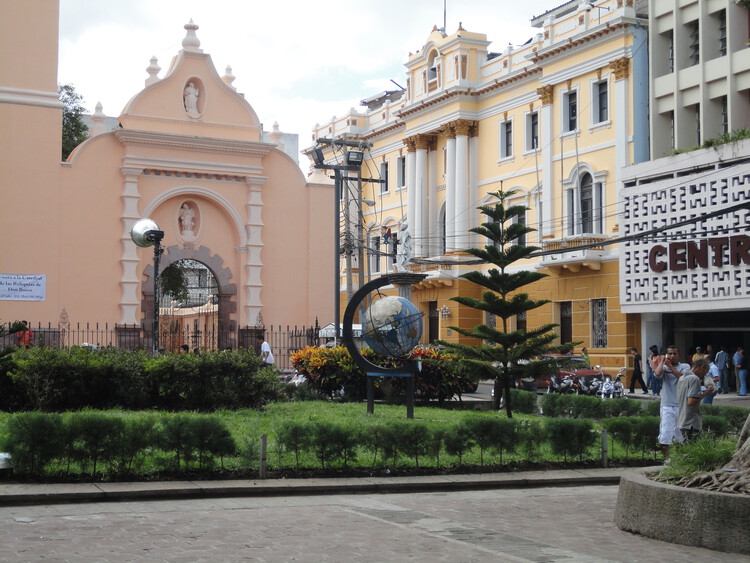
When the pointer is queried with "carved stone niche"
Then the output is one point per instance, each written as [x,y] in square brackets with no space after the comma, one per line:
[193,97]
[188,219]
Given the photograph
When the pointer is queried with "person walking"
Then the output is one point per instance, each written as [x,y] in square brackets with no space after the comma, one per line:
[714,377]
[738,363]
[637,372]
[690,391]
[266,356]
[669,369]
[722,362]
[653,383]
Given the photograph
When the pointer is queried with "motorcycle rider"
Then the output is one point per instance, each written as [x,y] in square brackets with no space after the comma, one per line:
[669,369]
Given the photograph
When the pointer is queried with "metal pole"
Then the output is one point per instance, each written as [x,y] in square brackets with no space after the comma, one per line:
[336,256]
[155,326]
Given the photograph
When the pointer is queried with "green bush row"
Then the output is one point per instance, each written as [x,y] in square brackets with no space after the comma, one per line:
[583,406]
[57,379]
[734,417]
[119,444]
[114,443]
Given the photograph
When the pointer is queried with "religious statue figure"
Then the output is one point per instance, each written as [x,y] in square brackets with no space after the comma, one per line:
[404,249]
[191,98]
[187,219]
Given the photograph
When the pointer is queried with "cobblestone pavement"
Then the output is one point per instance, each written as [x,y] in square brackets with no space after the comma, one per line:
[545,525]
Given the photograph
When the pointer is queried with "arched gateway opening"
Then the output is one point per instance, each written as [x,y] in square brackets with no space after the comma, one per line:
[204,317]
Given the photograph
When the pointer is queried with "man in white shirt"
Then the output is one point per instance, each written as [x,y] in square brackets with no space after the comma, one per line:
[669,369]
[266,356]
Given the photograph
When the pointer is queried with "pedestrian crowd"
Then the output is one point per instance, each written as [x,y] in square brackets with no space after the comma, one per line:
[684,386]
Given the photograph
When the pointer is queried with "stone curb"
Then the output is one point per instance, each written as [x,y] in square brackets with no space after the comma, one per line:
[27,494]
[681,515]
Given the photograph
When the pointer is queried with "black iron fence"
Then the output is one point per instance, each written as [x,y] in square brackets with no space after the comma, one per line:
[284,341]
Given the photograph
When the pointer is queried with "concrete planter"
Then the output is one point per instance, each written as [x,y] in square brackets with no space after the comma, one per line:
[717,521]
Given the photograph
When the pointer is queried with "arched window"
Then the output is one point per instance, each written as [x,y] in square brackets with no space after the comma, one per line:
[584,206]
[587,203]
[431,67]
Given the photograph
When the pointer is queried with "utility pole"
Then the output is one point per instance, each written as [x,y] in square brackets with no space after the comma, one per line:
[353,164]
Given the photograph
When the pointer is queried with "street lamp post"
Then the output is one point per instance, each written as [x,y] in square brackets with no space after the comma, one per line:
[145,233]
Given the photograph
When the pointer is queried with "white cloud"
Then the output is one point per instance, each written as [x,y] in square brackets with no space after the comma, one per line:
[298,62]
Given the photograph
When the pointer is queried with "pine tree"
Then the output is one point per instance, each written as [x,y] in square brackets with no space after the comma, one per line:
[74,130]
[504,355]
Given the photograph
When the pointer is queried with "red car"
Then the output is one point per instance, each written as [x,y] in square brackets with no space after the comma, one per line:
[568,365]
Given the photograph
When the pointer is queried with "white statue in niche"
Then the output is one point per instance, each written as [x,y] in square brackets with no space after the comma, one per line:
[191,98]
[405,249]
[187,219]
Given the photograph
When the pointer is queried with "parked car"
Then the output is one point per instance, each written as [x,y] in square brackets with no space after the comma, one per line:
[575,366]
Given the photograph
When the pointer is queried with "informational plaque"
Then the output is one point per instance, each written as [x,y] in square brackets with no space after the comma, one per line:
[23,287]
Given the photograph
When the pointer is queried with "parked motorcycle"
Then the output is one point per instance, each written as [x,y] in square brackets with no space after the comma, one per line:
[613,388]
[564,384]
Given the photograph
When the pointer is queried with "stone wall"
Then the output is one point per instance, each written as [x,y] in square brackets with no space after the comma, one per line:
[717,521]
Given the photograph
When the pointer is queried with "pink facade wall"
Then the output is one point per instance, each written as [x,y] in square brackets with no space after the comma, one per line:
[256,219]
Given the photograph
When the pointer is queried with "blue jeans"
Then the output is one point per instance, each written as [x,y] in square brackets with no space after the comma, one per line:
[709,399]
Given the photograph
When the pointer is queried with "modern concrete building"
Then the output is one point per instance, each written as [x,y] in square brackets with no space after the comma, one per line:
[555,119]
[689,278]
[188,153]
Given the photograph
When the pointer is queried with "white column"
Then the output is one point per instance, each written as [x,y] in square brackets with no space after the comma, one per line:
[450,192]
[546,151]
[431,222]
[422,181]
[473,187]
[130,301]
[621,105]
[411,191]
[461,217]
[253,264]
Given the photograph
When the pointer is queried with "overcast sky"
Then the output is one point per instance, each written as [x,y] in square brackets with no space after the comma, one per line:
[297,62]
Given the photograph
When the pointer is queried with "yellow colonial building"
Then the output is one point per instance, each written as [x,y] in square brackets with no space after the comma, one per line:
[554,119]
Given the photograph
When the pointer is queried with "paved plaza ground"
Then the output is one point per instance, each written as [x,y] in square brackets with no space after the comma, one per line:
[544,525]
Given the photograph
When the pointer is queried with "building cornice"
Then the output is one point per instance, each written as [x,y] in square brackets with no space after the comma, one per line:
[192,143]
[24,97]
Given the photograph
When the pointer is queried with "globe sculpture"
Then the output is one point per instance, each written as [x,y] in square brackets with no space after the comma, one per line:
[392,326]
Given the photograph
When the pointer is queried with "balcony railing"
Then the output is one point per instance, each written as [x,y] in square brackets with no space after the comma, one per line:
[574,251]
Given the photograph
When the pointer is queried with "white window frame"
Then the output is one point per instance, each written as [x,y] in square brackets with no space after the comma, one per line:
[506,152]
[528,137]
[400,172]
[384,172]
[374,252]
[596,86]
[565,126]
[573,216]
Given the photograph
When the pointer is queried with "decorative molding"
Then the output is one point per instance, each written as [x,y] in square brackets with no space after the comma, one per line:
[462,126]
[620,68]
[192,143]
[35,98]
[421,142]
[464,66]
[546,93]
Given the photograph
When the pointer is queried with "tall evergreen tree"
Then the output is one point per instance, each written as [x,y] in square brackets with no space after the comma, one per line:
[504,355]
[74,130]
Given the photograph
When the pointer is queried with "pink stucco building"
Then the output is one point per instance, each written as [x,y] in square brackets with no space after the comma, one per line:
[186,143]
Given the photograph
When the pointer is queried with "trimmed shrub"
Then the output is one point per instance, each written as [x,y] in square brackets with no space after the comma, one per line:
[570,437]
[34,439]
[646,439]
[523,402]
[531,435]
[718,426]
[294,437]
[458,441]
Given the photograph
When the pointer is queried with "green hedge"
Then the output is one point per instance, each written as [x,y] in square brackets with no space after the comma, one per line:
[53,379]
[114,443]
[584,406]
[117,444]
